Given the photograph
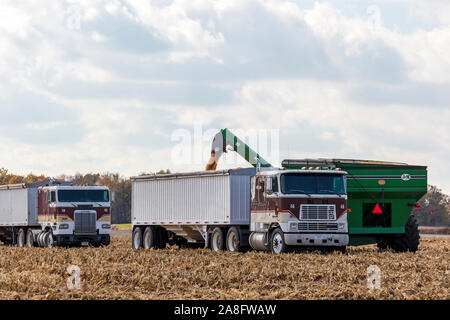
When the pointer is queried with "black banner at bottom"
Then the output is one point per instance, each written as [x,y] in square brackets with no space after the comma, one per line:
[227,309]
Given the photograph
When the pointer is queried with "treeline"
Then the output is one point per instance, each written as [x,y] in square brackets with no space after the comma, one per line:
[121,186]
[434,208]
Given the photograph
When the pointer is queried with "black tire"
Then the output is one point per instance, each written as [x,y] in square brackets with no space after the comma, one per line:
[148,240]
[382,244]
[277,244]
[217,239]
[408,241]
[233,240]
[21,238]
[49,242]
[40,238]
[161,238]
[106,241]
[136,240]
[29,238]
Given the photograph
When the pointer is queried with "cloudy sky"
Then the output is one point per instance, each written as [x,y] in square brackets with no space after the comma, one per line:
[105,85]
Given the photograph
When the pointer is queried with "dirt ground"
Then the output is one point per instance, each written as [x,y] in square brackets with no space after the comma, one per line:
[118,272]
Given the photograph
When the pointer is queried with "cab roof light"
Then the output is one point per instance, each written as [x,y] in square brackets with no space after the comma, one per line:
[304,168]
[318,168]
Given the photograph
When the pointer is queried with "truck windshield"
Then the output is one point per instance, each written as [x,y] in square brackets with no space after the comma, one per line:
[83,196]
[298,183]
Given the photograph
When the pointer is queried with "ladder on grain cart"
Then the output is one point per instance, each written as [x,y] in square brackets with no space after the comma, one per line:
[225,138]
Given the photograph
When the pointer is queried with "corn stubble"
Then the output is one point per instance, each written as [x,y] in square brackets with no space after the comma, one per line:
[118,272]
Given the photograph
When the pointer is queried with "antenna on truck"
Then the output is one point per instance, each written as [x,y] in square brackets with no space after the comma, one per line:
[258,167]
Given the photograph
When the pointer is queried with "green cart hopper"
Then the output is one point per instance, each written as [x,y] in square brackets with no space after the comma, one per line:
[381,199]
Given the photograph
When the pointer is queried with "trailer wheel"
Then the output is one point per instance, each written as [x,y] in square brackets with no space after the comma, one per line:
[233,240]
[217,239]
[382,244]
[161,238]
[30,239]
[408,241]
[137,238]
[148,241]
[21,238]
[277,244]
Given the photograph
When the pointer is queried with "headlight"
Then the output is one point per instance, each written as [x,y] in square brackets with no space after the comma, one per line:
[63,226]
[341,226]
[106,226]
[293,226]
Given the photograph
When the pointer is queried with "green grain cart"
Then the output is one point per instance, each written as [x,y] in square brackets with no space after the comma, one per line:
[381,199]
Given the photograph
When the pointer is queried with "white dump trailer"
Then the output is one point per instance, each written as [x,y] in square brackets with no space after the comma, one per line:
[18,205]
[234,209]
[188,205]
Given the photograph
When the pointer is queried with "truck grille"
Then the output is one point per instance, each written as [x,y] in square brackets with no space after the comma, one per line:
[85,221]
[317,212]
[317,226]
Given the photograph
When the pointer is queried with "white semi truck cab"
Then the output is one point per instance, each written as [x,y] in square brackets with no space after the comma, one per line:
[55,213]
[298,208]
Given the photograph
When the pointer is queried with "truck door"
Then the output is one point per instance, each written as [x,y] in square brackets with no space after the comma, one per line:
[52,206]
[260,195]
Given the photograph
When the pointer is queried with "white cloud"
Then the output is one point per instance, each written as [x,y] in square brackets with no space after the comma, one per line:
[98,37]
[115,78]
[171,22]
[426,52]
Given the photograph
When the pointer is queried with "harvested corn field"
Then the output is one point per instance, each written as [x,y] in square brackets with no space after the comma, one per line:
[118,272]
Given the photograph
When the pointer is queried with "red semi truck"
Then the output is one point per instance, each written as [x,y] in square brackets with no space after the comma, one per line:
[54,213]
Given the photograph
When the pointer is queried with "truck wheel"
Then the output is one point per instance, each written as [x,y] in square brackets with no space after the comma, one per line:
[137,238]
[39,238]
[30,239]
[277,244]
[408,241]
[149,238]
[48,240]
[217,239]
[21,238]
[233,240]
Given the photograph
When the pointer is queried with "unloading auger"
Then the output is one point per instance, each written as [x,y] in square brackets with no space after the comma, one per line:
[225,138]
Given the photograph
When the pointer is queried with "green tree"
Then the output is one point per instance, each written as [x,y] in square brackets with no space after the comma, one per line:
[434,209]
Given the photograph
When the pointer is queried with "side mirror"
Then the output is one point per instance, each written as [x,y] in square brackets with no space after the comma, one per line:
[113,196]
